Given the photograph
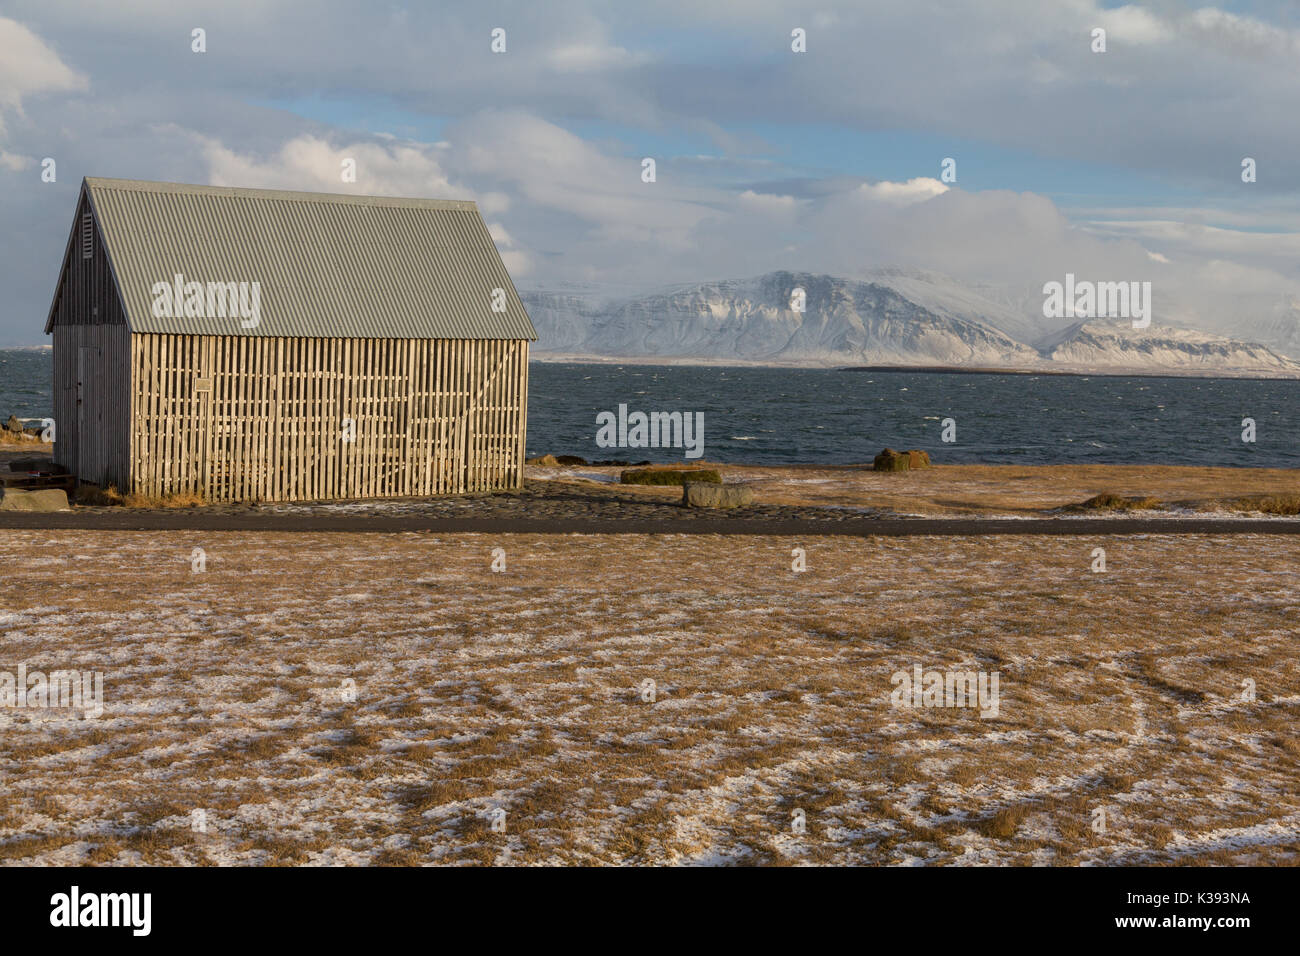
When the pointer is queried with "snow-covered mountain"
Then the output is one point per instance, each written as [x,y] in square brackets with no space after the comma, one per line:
[1017,313]
[1277,327]
[845,322]
[563,320]
[888,317]
[1104,343]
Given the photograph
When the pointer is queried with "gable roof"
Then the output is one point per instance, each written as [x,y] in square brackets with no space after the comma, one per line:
[329,265]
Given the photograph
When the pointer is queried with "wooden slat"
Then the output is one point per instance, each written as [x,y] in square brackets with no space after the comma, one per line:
[432,416]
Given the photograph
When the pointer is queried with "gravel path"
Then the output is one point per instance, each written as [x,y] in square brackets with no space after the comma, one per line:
[562,508]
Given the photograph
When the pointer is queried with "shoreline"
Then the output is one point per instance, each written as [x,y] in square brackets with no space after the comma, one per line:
[794,499]
[1253,375]
[652,361]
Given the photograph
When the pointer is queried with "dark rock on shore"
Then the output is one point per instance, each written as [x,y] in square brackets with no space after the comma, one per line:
[696,494]
[911,460]
[39,499]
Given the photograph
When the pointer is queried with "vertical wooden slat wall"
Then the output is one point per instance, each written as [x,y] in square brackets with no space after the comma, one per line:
[239,418]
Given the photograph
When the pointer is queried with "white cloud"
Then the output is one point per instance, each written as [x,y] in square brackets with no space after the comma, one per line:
[311,163]
[902,194]
[1133,25]
[517,262]
[29,68]
[1243,36]
[767,203]
[14,162]
[592,57]
[552,169]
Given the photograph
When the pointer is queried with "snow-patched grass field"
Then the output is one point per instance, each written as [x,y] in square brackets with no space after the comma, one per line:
[227,691]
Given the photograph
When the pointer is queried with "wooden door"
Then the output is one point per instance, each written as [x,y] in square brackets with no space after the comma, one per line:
[87,466]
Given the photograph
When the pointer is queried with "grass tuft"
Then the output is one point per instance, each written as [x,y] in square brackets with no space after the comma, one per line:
[93,495]
[1004,824]
[1113,502]
[668,476]
[1267,504]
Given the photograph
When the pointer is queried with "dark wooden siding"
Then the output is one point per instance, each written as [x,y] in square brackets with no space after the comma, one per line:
[87,294]
[92,365]
[92,402]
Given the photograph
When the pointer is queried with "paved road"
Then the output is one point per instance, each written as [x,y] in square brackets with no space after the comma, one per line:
[859,527]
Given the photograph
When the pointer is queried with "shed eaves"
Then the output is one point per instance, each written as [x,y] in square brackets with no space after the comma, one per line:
[329,265]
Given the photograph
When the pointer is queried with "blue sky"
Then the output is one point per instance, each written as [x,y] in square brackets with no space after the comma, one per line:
[1124,163]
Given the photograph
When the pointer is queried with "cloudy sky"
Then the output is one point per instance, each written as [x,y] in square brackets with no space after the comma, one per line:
[1122,165]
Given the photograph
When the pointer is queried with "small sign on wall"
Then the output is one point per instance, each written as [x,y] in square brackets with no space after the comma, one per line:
[203,385]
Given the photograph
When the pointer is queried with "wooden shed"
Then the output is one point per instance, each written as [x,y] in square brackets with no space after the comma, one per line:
[249,344]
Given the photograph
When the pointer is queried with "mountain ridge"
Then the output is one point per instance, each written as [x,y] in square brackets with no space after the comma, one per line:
[889,317]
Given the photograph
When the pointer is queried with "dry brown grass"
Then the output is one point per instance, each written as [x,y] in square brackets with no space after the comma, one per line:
[1279,505]
[1005,822]
[521,692]
[988,489]
[23,449]
[1267,504]
[1113,502]
[93,495]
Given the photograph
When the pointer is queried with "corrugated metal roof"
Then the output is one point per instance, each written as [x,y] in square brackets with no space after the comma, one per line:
[329,265]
